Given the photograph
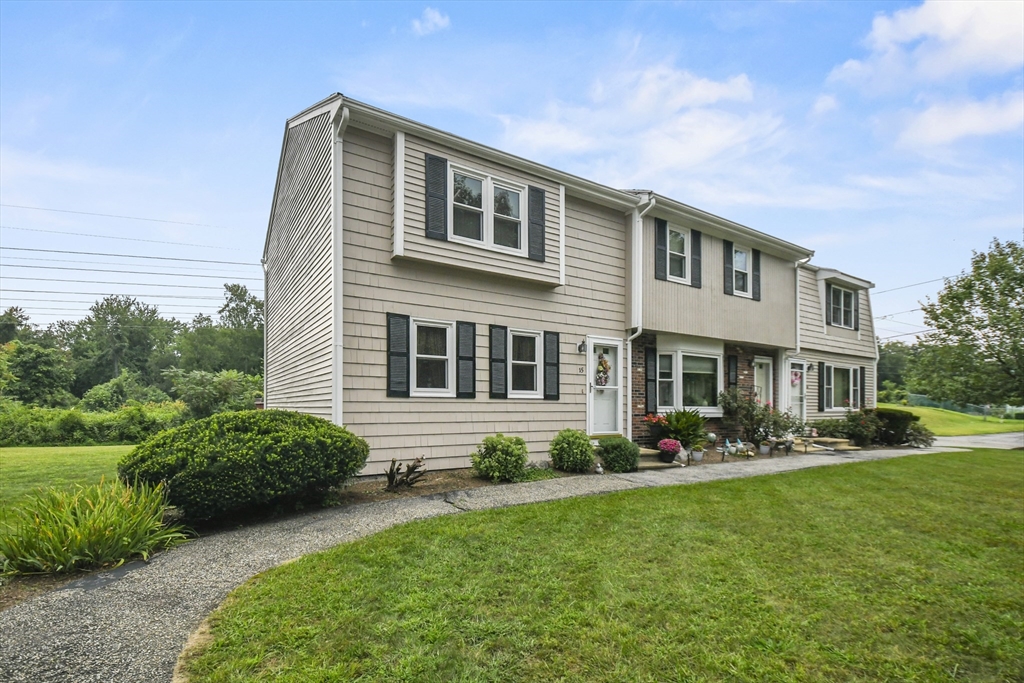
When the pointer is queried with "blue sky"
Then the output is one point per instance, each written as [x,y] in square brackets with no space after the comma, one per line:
[889,137]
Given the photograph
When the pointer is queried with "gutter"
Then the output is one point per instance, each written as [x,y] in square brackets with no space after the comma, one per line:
[637,309]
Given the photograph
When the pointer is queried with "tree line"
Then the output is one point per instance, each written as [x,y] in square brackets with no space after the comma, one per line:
[125,350]
[976,352]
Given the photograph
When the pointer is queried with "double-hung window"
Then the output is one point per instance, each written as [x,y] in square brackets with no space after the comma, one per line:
[433,366]
[842,387]
[741,263]
[525,362]
[486,211]
[677,250]
[842,307]
[666,382]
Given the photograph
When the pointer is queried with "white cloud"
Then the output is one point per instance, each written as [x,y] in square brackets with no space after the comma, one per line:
[824,104]
[942,124]
[431,21]
[938,40]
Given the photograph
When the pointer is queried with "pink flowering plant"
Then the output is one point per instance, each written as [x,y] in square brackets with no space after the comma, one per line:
[670,447]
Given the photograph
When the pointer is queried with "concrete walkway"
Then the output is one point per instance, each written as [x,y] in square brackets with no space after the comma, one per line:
[130,624]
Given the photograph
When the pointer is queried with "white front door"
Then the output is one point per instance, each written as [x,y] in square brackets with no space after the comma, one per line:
[604,386]
[797,389]
[763,379]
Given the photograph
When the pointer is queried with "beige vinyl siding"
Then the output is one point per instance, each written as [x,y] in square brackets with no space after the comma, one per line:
[815,334]
[458,254]
[841,360]
[447,430]
[298,363]
[708,311]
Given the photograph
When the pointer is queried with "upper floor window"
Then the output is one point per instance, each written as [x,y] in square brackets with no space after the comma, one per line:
[842,307]
[741,271]
[677,243]
[486,211]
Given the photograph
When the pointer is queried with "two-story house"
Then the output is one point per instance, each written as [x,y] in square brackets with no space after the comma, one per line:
[428,291]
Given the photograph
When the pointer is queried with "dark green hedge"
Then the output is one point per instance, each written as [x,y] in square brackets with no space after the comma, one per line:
[619,454]
[894,425]
[248,460]
[22,425]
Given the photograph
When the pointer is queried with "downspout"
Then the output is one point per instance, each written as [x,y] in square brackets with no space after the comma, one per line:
[638,304]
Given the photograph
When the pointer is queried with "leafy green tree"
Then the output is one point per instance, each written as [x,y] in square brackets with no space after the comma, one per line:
[205,393]
[892,362]
[7,378]
[44,376]
[976,353]
[127,386]
[13,324]
[234,342]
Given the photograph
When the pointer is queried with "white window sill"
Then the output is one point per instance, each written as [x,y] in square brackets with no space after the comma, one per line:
[745,295]
[531,397]
[678,280]
[421,393]
[480,244]
[705,411]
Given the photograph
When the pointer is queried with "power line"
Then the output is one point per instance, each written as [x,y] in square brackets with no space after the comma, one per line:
[110,237]
[926,282]
[92,302]
[105,282]
[890,315]
[907,334]
[205,269]
[131,272]
[109,215]
[134,296]
[159,258]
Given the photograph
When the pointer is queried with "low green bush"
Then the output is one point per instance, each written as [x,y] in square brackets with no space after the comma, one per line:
[831,428]
[126,387]
[571,451]
[859,426]
[619,454]
[22,425]
[246,461]
[919,436]
[501,458]
[66,530]
[893,426]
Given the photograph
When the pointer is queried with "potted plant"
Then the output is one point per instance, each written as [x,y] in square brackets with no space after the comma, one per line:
[686,427]
[669,450]
[765,447]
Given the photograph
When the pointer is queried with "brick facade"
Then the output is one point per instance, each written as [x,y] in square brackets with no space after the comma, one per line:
[745,381]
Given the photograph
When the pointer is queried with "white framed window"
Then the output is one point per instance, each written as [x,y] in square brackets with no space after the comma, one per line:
[485,211]
[741,267]
[842,388]
[432,370]
[666,381]
[525,361]
[842,307]
[689,380]
[678,248]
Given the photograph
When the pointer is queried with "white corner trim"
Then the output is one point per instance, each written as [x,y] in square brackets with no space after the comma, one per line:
[637,284]
[338,127]
[398,229]
[561,234]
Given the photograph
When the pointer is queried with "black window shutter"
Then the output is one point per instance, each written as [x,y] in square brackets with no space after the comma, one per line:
[535,238]
[398,355]
[695,249]
[499,364]
[856,310]
[821,387]
[437,197]
[828,304]
[863,389]
[755,286]
[660,249]
[733,370]
[551,366]
[727,250]
[651,379]
[465,359]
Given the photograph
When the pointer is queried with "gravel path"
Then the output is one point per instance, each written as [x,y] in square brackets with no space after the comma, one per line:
[130,624]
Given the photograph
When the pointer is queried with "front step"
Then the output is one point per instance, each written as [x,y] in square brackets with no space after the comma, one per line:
[655,463]
[834,444]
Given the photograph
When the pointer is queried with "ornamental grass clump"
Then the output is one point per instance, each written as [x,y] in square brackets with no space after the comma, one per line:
[87,527]
[501,458]
[571,451]
[247,461]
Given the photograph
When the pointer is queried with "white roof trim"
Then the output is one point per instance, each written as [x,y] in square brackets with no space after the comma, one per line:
[842,278]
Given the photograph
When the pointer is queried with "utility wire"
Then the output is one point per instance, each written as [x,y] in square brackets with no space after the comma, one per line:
[105,294]
[926,282]
[204,269]
[111,237]
[906,334]
[131,272]
[158,258]
[90,304]
[105,282]
[109,215]
[890,315]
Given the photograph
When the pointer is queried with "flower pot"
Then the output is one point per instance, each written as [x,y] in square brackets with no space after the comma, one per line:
[764,450]
[667,456]
[697,455]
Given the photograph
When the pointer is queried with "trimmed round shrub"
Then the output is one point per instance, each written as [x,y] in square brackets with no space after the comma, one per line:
[894,425]
[619,454]
[501,458]
[571,451]
[247,460]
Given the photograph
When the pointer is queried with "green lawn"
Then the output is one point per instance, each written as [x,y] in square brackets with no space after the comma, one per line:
[951,423]
[22,469]
[909,569]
